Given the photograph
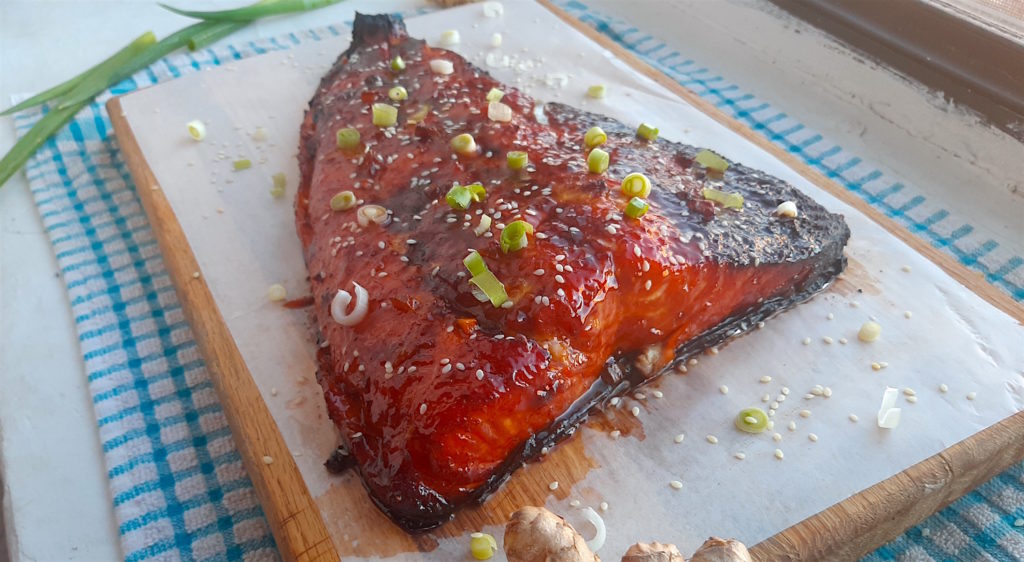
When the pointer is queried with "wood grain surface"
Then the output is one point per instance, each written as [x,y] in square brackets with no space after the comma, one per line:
[846,530]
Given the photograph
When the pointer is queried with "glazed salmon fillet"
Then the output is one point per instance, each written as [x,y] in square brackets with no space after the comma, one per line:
[439,391]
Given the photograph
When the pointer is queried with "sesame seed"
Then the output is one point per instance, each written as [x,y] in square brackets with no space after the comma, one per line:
[657,394]
[765,379]
[972,395]
[778,454]
[460,366]
[615,433]
[445,361]
[479,374]
[785,390]
[805,413]
[807,341]
[636,251]
[854,418]
[943,388]
[827,340]
[574,503]
[827,393]
[195,275]
[639,396]
[792,426]
[676,485]
[906,268]
[723,389]
[538,272]
[679,438]
[876,367]
[423,408]
[830,316]
[713,350]
[912,399]
[693,361]
[647,285]
[635,410]
[808,396]
[780,398]
[712,439]
[603,506]
[817,390]
[813,437]
[909,391]
[561,292]
[843,341]
[381,245]
[740,456]
[773,406]
[559,278]
[410,242]
[681,368]
[267,459]
[615,401]
[777,437]
[907,314]
[766,398]
[446,369]
[553,486]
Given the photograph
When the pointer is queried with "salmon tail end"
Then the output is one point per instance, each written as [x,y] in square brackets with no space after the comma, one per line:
[368,29]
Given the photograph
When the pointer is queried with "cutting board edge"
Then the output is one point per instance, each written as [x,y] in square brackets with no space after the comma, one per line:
[293,515]
[298,525]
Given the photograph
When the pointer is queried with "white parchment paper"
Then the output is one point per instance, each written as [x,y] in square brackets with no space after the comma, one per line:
[934,330]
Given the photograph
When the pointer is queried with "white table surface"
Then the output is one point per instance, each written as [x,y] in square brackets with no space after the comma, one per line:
[51,468]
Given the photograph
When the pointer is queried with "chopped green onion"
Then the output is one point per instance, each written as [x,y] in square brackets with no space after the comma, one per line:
[595,137]
[343,201]
[727,200]
[647,132]
[210,35]
[491,287]
[751,420]
[636,185]
[398,93]
[495,95]
[280,183]
[597,92]
[196,130]
[348,138]
[242,164]
[372,214]
[484,226]
[474,262]
[459,197]
[384,115]
[637,208]
[597,161]
[482,546]
[254,11]
[517,159]
[513,237]
[464,144]
[477,191]
[397,64]
[711,161]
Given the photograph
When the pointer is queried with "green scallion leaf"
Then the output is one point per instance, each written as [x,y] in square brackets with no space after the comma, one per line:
[474,262]
[647,132]
[711,161]
[384,115]
[477,191]
[513,237]
[254,11]
[215,31]
[491,287]
[636,185]
[597,91]
[348,138]
[725,199]
[517,159]
[595,136]
[398,93]
[459,197]
[397,64]
[242,164]
[343,201]
[597,161]
[495,95]
[280,183]
[637,208]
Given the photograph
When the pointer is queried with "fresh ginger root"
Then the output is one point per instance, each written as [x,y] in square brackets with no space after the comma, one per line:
[653,552]
[534,534]
[721,550]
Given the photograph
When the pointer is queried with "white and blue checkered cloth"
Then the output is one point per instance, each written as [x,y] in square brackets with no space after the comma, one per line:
[179,489]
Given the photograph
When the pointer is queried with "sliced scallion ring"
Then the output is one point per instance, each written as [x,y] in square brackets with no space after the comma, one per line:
[384,115]
[196,130]
[464,144]
[477,191]
[751,420]
[727,200]
[242,164]
[637,208]
[595,136]
[597,161]
[348,138]
[513,237]
[398,93]
[636,185]
[375,214]
[397,64]
[495,95]
[647,132]
[280,183]
[343,201]
[517,159]
[491,287]
[597,91]
[474,262]
[711,161]
[459,197]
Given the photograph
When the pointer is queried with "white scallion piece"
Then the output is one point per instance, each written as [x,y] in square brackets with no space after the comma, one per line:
[497,111]
[601,533]
[196,130]
[441,66]
[493,9]
[888,414]
[869,331]
[496,40]
[787,209]
[277,292]
[340,305]
[450,37]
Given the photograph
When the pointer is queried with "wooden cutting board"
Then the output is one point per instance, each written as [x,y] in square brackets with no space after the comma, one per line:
[215,240]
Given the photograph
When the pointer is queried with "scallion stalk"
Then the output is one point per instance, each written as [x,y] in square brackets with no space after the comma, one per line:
[254,11]
[513,237]
[597,161]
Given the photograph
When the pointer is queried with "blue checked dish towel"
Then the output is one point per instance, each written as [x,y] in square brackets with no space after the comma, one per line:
[179,489]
